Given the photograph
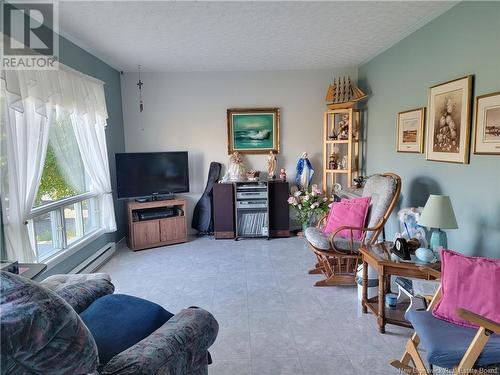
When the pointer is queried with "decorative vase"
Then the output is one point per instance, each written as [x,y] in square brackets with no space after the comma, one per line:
[305,226]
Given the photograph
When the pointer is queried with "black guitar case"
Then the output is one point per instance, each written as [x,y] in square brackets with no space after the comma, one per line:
[203,212]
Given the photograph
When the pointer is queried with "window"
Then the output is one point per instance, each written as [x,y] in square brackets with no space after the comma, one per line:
[54,199]
[64,212]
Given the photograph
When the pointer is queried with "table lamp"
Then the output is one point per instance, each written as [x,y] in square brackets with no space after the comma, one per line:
[438,213]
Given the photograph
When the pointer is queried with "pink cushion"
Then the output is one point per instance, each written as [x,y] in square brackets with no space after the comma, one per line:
[351,212]
[470,283]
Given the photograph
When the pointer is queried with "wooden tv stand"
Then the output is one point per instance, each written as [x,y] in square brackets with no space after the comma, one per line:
[148,233]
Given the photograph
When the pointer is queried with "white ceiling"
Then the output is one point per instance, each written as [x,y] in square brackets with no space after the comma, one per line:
[240,36]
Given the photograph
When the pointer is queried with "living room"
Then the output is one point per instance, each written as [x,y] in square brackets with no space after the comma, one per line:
[365,136]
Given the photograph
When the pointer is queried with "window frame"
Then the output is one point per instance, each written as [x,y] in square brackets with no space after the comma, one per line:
[66,250]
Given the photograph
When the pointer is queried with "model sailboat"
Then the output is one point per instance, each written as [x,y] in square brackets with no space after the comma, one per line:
[342,94]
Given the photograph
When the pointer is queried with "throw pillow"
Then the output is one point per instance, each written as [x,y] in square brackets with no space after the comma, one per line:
[470,283]
[350,212]
[119,321]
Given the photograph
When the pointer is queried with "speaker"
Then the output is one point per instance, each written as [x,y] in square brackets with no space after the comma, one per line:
[279,216]
[223,196]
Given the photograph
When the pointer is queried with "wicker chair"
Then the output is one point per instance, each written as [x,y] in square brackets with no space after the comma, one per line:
[338,257]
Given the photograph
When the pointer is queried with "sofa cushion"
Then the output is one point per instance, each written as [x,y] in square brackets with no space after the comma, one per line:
[446,343]
[317,238]
[320,240]
[470,283]
[119,321]
[40,333]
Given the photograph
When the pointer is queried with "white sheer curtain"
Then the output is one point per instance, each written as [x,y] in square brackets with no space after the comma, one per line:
[31,99]
[66,150]
[91,140]
[26,144]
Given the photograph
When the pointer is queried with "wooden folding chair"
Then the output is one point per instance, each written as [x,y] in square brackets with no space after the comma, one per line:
[448,345]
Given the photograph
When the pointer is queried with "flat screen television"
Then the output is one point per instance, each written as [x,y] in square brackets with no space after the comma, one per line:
[151,173]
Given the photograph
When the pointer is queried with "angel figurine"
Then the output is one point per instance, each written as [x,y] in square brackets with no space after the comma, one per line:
[271,166]
[236,170]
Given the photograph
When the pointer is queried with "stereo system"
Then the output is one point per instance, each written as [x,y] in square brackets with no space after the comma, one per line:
[153,213]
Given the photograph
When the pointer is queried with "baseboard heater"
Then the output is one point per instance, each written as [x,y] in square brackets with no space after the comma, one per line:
[96,260]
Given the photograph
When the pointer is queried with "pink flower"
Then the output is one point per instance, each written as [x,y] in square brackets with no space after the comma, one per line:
[292,200]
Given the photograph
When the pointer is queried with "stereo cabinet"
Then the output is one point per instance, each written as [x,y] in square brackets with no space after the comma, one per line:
[226,212]
[145,233]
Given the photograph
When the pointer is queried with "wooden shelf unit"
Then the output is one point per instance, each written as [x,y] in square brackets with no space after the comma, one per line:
[145,234]
[349,147]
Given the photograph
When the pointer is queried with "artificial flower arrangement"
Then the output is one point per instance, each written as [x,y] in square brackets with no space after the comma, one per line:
[308,204]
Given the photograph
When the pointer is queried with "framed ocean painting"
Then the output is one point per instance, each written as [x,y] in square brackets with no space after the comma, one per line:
[253,130]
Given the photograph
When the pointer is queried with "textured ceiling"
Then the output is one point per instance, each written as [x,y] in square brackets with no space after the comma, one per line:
[235,36]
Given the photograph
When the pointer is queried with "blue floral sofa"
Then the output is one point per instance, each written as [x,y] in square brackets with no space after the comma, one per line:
[43,331]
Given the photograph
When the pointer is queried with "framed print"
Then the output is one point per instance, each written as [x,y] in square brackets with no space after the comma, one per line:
[487,124]
[410,131]
[253,130]
[448,124]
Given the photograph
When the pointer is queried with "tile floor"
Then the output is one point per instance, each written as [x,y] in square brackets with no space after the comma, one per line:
[272,320]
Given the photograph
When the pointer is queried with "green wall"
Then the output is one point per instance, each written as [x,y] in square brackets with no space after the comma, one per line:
[464,40]
[77,58]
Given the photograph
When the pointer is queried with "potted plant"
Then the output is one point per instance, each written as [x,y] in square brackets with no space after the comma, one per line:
[308,204]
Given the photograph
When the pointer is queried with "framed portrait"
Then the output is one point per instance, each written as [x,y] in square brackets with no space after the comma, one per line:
[410,131]
[253,130]
[487,124]
[448,124]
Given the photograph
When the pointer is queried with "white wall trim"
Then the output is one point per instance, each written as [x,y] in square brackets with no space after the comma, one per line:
[96,260]
[58,258]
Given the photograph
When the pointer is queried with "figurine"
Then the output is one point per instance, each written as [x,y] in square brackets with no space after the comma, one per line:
[344,127]
[305,172]
[334,158]
[344,163]
[334,136]
[236,169]
[283,174]
[359,181]
[253,175]
[271,166]
[333,163]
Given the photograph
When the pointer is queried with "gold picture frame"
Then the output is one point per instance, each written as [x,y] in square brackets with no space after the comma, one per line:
[449,121]
[253,130]
[487,124]
[410,131]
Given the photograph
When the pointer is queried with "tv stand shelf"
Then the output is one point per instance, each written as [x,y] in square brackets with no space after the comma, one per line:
[148,233]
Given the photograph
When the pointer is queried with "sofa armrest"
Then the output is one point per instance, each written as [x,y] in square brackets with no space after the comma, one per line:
[178,347]
[80,290]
